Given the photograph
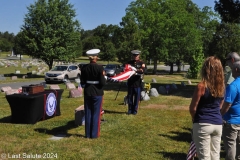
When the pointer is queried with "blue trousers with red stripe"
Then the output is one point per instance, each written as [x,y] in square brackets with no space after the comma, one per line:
[134,95]
[92,109]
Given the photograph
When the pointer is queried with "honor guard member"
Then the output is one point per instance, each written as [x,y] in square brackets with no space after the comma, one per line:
[92,80]
[134,82]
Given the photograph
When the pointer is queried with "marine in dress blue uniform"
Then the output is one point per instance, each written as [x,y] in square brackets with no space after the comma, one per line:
[134,82]
[93,80]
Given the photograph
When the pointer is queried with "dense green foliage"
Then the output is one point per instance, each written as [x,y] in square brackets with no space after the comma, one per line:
[229,10]
[6,41]
[50,32]
[171,31]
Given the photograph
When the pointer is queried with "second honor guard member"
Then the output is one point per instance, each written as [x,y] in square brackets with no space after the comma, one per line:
[92,80]
[134,82]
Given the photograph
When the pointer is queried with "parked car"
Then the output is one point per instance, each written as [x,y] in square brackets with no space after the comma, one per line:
[112,69]
[62,73]
[80,65]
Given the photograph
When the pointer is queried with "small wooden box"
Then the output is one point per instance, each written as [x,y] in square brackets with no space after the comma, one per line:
[32,89]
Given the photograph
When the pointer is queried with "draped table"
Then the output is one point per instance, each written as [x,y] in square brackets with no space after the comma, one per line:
[31,108]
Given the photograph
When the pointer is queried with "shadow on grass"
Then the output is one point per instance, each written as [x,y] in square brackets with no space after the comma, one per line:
[61,130]
[179,136]
[6,119]
[173,156]
[113,112]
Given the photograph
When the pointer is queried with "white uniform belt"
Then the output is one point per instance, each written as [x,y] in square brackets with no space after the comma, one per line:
[93,82]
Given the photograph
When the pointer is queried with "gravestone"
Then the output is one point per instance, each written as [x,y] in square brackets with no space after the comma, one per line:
[183,84]
[174,86]
[154,80]
[74,93]
[145,96]
[28,67]
[168,88]
[162,90]
[13,77]
[153,92]
[2,77]
[17,72]
[34,72]
[54,86]
[70,86]
[80,116]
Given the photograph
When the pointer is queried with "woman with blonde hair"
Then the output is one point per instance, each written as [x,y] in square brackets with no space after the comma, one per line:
[205,108]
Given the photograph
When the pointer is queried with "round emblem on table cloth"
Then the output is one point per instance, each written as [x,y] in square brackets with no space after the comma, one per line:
[51,104]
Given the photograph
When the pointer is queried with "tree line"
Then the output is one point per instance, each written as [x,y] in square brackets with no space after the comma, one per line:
[172,31]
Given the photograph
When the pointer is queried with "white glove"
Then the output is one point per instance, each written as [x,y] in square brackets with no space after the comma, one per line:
[134,69]
[106,77]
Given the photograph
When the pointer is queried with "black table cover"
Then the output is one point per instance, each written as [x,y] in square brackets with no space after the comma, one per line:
[29,109]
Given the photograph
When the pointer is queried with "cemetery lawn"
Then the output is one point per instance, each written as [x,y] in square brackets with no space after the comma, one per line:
[160,130]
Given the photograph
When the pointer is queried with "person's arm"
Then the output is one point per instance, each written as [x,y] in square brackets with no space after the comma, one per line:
[102,80]
[225,107]
[221,103]
[141,69]
[199,91]
[230,95]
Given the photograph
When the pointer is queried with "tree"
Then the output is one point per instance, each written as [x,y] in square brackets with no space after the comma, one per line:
[207,24]
[50,32]
[5,45]
[18,45]
[163,32]
[229,10]
[183,40]
[6,41]
[109,52]
[226,40]
[127,38]
[105,34]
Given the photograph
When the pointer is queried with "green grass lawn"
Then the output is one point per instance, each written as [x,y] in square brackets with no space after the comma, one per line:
[160,130]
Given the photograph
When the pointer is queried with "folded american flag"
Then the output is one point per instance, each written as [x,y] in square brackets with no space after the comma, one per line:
[192,151]
[109,79]
[128,72]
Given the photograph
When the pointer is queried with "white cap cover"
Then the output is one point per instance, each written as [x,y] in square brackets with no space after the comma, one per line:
[93,52]
[135,52]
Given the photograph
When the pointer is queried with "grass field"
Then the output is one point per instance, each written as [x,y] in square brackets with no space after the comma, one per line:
[160,130]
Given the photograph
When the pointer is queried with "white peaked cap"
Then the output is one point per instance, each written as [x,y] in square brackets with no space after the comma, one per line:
[93,52]
[135,52]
